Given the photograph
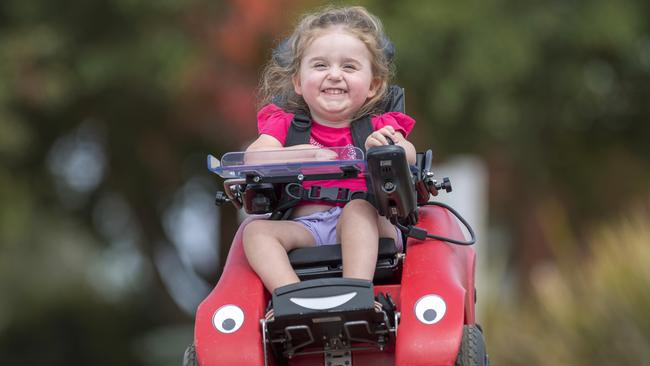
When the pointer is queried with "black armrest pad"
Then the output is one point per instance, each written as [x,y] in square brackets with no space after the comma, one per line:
[331,254]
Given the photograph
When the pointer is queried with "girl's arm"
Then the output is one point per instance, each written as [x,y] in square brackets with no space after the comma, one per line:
[302,152]
[265,143]
[378,138]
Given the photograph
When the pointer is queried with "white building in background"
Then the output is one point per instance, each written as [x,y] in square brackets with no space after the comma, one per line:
[469,180]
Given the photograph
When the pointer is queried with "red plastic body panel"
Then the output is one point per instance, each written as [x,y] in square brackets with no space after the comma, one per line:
[446,270]
[430,267]
[238,285]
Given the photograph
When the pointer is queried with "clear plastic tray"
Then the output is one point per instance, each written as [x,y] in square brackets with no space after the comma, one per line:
[286,162]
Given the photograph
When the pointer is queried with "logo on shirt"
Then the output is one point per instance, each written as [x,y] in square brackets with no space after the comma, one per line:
[346,153]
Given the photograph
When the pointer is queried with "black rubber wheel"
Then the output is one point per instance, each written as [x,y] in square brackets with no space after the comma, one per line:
[472,350]
[189,358]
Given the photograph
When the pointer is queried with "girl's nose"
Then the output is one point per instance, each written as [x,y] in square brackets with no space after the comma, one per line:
[334,74]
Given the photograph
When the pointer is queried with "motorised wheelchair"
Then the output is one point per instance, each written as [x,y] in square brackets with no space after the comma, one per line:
[426,291]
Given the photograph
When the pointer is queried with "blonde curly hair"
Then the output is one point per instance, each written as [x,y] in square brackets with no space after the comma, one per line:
[276,82]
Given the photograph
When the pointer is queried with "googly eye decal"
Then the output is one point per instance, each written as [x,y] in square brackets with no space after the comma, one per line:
[430,309]
[228,318]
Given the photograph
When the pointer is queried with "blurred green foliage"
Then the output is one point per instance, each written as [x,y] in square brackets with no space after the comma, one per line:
[108,108]
[555,90]
[115,68]
[583,309]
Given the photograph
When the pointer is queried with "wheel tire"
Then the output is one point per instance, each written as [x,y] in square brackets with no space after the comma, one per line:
[189,358]
[472,348]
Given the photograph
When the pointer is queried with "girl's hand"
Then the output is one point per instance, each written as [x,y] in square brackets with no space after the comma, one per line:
[378,138]
[325,154]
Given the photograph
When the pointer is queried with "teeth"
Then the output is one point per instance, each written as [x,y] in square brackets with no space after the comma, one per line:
[334,91]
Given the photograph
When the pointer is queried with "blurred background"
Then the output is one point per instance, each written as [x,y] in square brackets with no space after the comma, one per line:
[109,237]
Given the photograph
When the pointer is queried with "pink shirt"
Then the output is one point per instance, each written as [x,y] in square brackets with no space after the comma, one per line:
[275,122]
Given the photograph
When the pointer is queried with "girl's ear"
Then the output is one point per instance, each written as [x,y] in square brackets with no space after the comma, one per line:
[297,87]
[374,87]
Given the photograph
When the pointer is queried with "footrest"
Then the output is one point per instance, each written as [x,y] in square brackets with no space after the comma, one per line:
[325,314]
[324,295]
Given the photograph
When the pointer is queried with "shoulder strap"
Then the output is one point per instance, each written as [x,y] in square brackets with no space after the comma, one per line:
[361,129]
[299,130]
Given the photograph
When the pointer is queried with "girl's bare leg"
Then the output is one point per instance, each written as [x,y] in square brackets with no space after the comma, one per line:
[359,229]
[266,244]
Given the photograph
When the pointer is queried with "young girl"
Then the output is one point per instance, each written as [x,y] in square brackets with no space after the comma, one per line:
[335,69]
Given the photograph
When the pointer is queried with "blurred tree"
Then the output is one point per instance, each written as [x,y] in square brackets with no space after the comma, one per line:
[107,111]
[553,94]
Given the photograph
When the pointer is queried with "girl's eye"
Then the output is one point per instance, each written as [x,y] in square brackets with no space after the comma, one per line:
[349,67]
[320,66]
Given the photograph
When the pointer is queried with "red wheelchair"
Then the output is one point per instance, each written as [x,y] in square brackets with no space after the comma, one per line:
[426,291]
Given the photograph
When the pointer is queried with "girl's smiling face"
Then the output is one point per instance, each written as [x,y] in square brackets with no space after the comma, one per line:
[335,77]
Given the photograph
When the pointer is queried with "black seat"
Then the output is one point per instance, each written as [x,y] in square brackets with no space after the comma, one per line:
[326,261]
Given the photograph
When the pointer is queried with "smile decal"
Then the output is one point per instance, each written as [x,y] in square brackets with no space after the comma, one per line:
[322,303]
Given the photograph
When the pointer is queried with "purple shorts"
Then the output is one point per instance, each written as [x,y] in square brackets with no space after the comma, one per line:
[322,225]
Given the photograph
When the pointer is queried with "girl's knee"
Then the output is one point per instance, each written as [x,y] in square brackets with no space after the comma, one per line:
[387,229]
[358,215]
[252,230]
[358,209]
[359,205]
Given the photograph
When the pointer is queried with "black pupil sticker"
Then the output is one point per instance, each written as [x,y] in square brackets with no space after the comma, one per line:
[228,324]
[429,315]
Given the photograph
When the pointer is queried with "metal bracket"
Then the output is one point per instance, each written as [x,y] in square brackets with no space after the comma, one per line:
[338,358]
[230,187]
[264,341]
[288,331]
[398,316]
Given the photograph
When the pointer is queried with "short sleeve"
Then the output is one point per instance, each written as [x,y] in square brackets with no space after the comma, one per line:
[274,121]
[399,121]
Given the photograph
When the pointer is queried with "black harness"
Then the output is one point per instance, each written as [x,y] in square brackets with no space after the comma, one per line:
[298,134]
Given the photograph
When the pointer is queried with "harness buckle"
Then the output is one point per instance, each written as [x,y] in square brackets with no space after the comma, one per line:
[336,194]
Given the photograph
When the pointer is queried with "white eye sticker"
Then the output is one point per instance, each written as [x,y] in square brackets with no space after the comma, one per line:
[430,309]
[228,318]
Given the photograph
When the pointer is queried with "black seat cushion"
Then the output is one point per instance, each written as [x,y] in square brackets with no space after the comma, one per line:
[330,255]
